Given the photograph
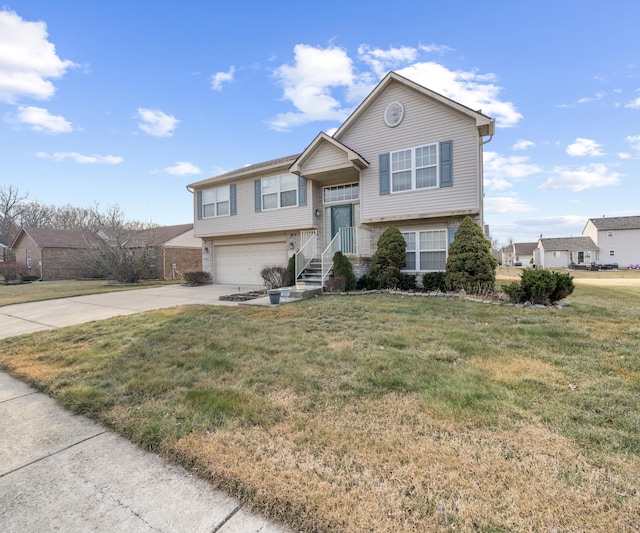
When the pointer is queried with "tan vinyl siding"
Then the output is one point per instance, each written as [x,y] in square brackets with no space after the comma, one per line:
[425,122]
[326,156]
[249,221]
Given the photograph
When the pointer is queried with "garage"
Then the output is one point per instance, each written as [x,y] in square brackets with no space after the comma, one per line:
[241,263]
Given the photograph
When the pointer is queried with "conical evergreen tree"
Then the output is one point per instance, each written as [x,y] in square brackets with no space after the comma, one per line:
[470,265]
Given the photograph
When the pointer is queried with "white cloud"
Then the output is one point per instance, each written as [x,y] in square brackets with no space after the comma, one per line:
[634,141]
[586,177]
[323,84]
[505,204]
[308,82]
[182,168]
[552,226]
[155,122]
[381,61]
[594,98]
[624,155]
[82,159]
[471,89]
[584,147]
[634,104]
[39,119]
[437,48]
[220,78]
[27,59]
[501,171]
[523,145]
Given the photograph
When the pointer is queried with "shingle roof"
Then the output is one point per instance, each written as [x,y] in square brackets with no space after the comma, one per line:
[525,248]
[61,238]
[156,236]
[249,169]
[616,223]
[569,244]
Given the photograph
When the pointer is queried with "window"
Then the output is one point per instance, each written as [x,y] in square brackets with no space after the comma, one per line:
[555,254]
[612,253]
[426,250]
[340,193]
[215,202]
[28,258]
[609,233]
[415,168]
[279,191]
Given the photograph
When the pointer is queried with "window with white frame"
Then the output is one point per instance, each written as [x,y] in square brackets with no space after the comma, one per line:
[414,168]
[612,253]
[215,202]
[426,250]
[280,191]
[340,193]
[609,233]
[28,258]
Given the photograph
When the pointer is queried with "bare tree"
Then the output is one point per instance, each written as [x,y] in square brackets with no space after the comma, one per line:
[11,206]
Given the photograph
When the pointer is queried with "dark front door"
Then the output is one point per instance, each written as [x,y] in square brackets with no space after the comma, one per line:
[342,217]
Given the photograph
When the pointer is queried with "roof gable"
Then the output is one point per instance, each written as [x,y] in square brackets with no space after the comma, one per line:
[343,154]
[484,123]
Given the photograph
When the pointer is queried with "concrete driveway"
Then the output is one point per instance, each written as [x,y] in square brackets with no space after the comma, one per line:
[62,472]
[49,314]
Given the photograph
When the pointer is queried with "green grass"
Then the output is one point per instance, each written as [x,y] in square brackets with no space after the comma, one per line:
[47,290]
[376,412]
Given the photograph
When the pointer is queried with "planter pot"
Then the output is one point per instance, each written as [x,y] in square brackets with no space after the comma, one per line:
[274,296]
[286,294]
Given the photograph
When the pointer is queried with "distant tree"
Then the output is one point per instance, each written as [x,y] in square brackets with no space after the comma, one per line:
[389,258]
[11,206]
[470,265]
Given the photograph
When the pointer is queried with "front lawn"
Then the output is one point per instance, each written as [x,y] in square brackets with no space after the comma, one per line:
[376,412]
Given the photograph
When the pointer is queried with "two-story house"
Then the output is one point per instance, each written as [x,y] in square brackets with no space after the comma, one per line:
[406,157]
[617,237]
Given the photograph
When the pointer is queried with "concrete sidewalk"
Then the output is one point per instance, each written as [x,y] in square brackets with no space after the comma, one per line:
[61,472]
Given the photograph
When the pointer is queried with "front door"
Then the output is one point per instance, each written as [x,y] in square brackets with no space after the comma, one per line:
[342,217]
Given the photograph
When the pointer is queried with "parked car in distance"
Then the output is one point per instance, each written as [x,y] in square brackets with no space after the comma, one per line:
[517,264]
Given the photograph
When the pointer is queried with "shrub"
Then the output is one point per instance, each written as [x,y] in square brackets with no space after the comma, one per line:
[342,269]
[390,258]
[291,268]
[367,283]
[275,276]
[407,282]
[336,284]
[470,265]
[12,271]
[28,278]
[434,281]
[540,287]
[197,277]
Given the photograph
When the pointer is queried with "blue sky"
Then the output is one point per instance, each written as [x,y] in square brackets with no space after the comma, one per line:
[126,102]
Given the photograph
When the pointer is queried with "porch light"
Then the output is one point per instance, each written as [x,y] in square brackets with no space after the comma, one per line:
[317,213]
[291,245]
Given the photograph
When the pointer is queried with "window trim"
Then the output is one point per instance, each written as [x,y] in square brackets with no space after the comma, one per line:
[610,233]
[414,168]
[28,258]
[215,203]
[417,250]
[279,192]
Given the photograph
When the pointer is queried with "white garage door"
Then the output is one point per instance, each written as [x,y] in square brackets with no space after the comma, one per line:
[242,263]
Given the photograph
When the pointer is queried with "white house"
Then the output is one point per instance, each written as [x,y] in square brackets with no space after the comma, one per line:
[407,157]
[617,237]
[565,251]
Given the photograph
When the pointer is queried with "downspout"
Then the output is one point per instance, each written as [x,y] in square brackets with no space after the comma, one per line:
[481,172]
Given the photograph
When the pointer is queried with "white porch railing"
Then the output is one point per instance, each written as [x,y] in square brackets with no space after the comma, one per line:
[308,250]
[354,241]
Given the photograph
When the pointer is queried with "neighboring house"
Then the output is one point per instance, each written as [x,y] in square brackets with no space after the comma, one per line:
[518,253]
[617,237]
[406,157]
[565,251]
[54,254]
[172,250]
